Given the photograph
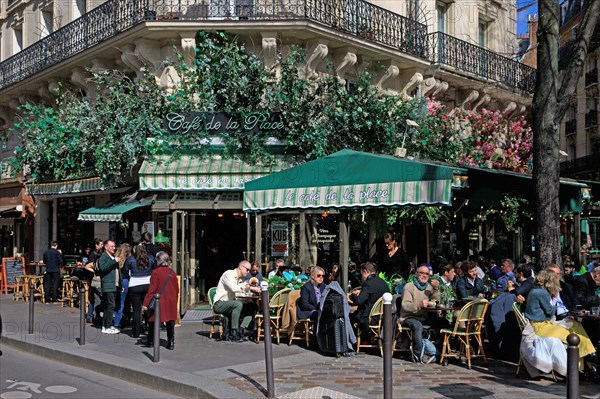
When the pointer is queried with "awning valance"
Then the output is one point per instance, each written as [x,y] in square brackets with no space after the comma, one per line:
[113,212]
[65,187]
[213,172]
[349,179]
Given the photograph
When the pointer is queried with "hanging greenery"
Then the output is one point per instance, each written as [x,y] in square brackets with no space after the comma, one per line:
[513,210]
[110,132]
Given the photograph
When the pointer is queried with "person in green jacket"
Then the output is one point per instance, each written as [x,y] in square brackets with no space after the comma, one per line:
[108,266]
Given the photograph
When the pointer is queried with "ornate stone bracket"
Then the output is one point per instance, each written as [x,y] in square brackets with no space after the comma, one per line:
[441,89]
[269,48]
[45,93]
[414,80]
[317,51]
[149,51]
[188,47]
[389,74]
[510,107]
[484,100]
[130,59]
[473,95]
[79,77]
[344,59]
[428,85]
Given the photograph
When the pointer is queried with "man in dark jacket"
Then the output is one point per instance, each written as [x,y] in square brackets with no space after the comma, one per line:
[365,297]
[108,265]
[53,260]
[586,287]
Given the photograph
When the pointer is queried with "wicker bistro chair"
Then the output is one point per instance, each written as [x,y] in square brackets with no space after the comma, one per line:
[276,305]
[468,325]
[522,321]
[297,329]
[216,317]
[374,332]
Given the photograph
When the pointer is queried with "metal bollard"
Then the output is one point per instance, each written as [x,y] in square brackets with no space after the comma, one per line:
[82,315]
[156,357]
[268,345]
[31,308]
[388,332]
[573,366]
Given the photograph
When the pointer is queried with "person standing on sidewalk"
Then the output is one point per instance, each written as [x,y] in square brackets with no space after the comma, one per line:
[126,259]
[164,282]
[94,294]
[109,273]
[53,260]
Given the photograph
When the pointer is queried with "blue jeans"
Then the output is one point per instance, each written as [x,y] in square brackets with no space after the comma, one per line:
[119,313]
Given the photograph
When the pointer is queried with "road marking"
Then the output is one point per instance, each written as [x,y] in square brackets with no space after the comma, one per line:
[60,389]
[15,395]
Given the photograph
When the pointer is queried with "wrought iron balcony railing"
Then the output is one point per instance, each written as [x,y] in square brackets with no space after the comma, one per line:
[467,57]
[10,2]
[591,119]
[356,17]
[591,77]
[582,164]
[571,127]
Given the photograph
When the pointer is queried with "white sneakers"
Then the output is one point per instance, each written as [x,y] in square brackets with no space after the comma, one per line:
[110,330]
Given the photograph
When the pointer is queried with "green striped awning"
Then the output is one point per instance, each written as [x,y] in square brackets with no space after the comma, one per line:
[349,179]
[213,172]
[65,187]
[110,213]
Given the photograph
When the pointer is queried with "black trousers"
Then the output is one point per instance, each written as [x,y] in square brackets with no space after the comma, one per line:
[51,280]
[170,330]
[137,294]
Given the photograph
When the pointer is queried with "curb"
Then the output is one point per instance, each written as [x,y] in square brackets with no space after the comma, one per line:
[153,376]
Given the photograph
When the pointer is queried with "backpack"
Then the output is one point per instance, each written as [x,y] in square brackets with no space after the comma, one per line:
[427,348]
[333,307]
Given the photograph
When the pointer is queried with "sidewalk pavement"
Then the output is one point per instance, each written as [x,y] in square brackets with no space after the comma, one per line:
[200,367]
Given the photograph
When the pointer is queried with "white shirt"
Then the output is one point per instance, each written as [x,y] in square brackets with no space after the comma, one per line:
[560,306]
[229,284]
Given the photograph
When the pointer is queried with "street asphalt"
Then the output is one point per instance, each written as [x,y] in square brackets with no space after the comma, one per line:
[200,367]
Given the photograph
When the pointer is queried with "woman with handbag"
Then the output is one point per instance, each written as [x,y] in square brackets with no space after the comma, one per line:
[164,282]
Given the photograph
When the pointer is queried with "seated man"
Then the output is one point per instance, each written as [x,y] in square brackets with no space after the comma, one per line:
[310,295]
[507,267]
[417,295]
[469,285]
[586,289]
[365,297]
[524,276]
[230,283]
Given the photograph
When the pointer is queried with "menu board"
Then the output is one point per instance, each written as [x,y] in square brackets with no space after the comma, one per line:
[11,267]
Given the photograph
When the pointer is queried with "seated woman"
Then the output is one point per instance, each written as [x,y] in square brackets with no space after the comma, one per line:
[469,285]
[310,295]
[539,312]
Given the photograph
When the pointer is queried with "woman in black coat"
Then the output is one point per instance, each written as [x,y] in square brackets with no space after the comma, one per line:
[310,295]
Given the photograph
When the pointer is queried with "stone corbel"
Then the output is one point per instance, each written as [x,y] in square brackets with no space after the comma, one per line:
[414,80]
[484,100]
[520,110]
[442,88]
[344,60]
[188,48]
[473,95]
[149,51]
[317,51]
[102,64]
[5,114]
[169,79]
[79,77]
[510,107]
[45,93]
[130,59]
[428,85]
[54,86]
[388,75]
[269,49]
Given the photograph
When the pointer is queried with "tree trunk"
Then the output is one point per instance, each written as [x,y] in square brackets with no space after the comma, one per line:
[549,107]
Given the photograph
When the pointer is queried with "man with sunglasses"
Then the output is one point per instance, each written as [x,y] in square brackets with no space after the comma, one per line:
[310,295]
[234,282]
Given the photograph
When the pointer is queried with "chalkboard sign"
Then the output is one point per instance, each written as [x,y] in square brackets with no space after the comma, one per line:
[11,267]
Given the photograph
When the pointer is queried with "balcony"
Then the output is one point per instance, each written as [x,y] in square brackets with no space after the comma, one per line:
[579,165]
[355,17]
[591,119]
[591,77]
[571,127]
[462,56]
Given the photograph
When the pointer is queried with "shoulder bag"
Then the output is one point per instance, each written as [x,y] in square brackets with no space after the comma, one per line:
[152,303]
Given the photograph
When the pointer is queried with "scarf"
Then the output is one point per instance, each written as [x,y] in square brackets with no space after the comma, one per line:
[419,286]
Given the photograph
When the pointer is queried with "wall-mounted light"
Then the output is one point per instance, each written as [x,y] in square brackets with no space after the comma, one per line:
[586,193]
[460,181]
